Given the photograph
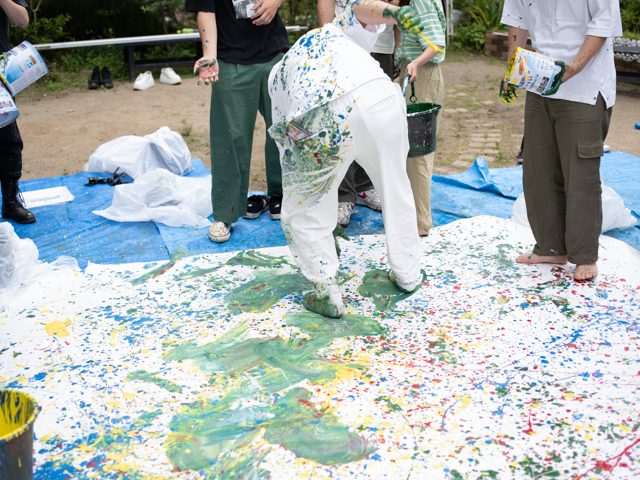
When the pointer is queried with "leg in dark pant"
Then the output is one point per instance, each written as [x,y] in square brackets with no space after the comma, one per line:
[10,172]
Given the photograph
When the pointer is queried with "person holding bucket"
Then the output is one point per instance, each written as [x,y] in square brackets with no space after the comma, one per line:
[14,11]
[333,105]
[419,61]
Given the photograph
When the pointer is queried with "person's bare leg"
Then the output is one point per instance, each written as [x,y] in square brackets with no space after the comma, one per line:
[584,273]
[533,259]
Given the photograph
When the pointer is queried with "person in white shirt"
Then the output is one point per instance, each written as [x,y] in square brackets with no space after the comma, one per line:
[332,105]
[564,133]
[356,187]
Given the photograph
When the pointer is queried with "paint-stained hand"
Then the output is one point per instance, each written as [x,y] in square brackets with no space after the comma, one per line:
[207,69]
[563,75]
[406,18]
[508,92]
[264,11]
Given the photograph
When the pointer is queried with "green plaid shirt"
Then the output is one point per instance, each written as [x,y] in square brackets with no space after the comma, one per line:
[433,22]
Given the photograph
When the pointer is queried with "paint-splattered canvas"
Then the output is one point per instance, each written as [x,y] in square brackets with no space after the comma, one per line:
[208,367]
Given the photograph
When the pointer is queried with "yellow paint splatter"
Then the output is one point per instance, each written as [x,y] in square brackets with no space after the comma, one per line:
[58,328]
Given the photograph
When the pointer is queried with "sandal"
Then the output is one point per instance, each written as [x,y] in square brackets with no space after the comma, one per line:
[219,232]
[256,204]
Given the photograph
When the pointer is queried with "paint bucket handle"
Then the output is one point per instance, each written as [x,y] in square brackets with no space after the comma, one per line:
[405,82]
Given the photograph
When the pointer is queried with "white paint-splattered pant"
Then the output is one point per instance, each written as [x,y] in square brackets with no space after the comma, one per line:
[368,125]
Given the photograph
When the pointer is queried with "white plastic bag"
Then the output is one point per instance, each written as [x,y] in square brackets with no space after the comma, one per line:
[135,155]
[161,196]
[18,259]
[614,213]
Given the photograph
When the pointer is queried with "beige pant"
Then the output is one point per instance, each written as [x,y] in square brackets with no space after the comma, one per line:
[429,88]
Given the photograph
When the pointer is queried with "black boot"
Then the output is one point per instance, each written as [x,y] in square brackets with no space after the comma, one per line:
[12,207]
[94,81]
[105,78]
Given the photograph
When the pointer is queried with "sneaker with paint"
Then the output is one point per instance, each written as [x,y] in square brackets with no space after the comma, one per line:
[169,76]
[219,232]
[325,300]
[144,81]
[405,286]
[370,199]
[345,210]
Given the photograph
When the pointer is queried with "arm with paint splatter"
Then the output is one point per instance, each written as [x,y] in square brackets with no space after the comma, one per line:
[326,11]
[207,67]
[378,12]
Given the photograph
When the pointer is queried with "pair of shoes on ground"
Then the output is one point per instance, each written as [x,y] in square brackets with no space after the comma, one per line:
[100,78]
[257,204]
[326,300]
[220,232]
[368,198]
[145,80]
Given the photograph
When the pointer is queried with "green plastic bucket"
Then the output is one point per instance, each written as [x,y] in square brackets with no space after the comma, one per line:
[422,121]
[18,412]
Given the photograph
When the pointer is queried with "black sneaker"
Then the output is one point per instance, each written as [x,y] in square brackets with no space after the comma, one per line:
[105,78]
[94,81]
[256,204]
[275,203]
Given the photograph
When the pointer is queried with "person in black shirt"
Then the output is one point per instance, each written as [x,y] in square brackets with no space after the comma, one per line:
[241,41]
[10,139]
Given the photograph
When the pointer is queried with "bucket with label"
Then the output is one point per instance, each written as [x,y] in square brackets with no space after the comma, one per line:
[8,110]
[533,71]
[20,67]
[422,123]
[18,412]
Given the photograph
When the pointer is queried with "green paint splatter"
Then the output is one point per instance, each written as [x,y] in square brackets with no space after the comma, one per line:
[384,294]
[391,405]
[143,376]
[204,433]
[264,291]
[156,272]
[252,258]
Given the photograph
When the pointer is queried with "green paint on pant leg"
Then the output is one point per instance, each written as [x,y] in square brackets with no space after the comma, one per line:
[143,376]
[377,286]
[264,291]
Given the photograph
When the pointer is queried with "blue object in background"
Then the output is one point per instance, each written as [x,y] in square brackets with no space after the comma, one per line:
[71,229]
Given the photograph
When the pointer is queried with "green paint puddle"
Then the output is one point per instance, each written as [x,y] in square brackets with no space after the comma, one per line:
[384,294]
[264,291]
[213,435]
[143,376]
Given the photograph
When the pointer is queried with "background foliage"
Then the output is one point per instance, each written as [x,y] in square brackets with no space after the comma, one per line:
[66,20]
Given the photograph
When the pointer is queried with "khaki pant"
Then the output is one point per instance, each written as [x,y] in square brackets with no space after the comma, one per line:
[429,88]
[563,143]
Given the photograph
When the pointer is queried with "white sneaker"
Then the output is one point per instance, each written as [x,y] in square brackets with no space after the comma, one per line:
[144,81]
[345,210]
[219,232]
[369,198]
[168,76]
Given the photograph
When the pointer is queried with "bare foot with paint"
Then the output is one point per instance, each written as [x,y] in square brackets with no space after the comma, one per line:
[533,259]
[585,273]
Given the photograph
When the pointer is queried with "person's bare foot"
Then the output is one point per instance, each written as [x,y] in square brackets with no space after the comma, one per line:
[584,273]
[423,233]
[532,259]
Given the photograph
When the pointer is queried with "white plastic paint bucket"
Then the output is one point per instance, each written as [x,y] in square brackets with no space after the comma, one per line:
[8,110]
[20,67]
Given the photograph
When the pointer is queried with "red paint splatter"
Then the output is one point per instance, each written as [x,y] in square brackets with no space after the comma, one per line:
[609,464]
[529,431]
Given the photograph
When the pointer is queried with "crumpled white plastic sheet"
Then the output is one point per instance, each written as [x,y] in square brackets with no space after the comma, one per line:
[163,197]
[614,213]
[19,264]
[135,155]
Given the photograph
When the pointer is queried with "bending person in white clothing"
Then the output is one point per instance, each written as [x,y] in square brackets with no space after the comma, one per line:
[332,105]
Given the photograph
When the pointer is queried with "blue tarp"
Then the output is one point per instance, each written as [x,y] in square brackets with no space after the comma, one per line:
[71,229]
